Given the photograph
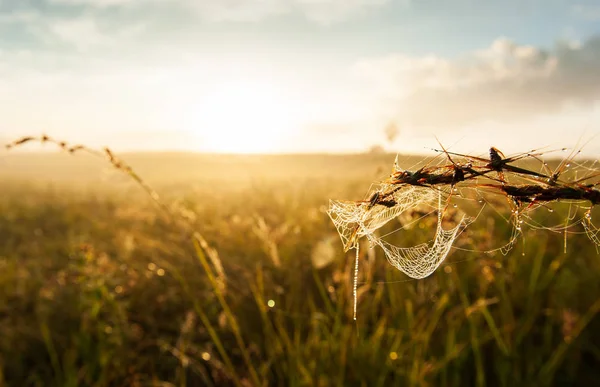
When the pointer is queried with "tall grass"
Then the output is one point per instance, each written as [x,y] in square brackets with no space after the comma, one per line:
[100,289]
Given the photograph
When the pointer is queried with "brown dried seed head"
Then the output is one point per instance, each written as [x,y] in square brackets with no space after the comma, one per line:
[23,140]
[109,154]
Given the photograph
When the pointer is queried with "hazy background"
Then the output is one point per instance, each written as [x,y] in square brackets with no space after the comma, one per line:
[257,76]
[100,286]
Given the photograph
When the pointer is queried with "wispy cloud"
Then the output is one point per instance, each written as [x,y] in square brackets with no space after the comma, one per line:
[333,11]
[86,34]
[95,27]
[503,82]
[120,66]
[97,3]
[319,11]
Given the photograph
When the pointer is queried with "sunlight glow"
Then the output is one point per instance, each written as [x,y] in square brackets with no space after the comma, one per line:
[243,117]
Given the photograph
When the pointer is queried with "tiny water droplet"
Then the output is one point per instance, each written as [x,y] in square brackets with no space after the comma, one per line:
[455,205]
[550,210]
[568,165]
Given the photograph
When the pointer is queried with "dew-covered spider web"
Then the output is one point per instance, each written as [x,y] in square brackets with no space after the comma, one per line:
[354,220]
[422,260]
[524,190]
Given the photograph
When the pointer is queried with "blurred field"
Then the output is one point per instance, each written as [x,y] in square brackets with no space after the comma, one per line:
[99,287]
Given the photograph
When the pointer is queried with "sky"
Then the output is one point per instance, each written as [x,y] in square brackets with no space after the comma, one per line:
[264,76]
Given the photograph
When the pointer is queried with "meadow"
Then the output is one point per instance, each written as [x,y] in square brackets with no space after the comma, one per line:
[100,286]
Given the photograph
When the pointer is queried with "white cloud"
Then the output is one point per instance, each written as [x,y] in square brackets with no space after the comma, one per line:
[85,34]
[82,33]
[90,30]
[319,11]
[19,17]
[237,10]
[96,3]
[503,82]
[332,11]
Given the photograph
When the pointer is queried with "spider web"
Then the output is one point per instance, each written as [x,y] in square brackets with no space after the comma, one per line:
[422,260]
[354,220]
[591,231]
[536,184]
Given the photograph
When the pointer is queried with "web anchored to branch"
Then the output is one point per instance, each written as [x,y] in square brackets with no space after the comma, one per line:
[355,220]
[434,186]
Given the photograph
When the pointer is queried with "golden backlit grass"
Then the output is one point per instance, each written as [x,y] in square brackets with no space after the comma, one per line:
[99,287]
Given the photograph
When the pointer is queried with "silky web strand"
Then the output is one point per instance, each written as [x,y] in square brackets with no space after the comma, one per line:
[355,286]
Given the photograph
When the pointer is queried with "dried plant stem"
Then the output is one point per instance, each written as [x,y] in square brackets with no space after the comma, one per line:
[203,251]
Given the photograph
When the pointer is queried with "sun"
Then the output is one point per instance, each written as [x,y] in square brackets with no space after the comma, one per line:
[242,117]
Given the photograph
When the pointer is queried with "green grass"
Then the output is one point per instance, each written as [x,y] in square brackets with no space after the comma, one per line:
[98,287]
